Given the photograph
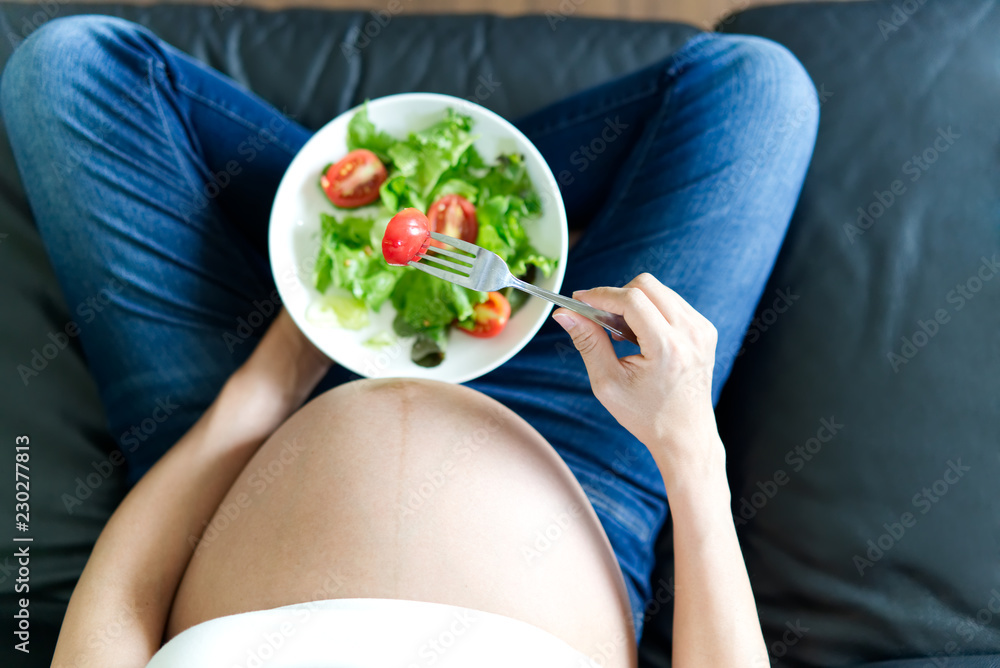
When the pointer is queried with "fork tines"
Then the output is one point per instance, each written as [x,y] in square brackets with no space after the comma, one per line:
[472,249]
[447,263]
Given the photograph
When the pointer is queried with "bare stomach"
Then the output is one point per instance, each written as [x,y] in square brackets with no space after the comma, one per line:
[412,490]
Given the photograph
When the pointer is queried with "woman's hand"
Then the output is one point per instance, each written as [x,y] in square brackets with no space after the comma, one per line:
[664,394]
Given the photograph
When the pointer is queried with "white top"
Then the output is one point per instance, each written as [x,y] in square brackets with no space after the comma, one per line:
[367,633]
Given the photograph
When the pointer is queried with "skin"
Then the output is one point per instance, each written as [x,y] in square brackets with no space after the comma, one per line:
[463,544]
[467,542]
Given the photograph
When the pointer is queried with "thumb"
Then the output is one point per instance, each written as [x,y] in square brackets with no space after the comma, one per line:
[591,340]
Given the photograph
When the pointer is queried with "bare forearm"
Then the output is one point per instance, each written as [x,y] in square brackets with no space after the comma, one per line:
[715,617]
[142,553]
[664,397]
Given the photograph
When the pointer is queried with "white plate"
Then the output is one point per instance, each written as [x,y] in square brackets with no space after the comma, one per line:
[294,242]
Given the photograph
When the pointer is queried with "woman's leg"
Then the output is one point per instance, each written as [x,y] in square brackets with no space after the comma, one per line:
[690,170]
[150,177]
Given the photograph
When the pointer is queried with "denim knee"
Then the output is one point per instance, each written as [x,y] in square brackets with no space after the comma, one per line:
[48,77]
[773,80]
[770,105]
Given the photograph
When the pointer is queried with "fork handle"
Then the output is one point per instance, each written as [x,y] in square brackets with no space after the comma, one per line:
[610,321]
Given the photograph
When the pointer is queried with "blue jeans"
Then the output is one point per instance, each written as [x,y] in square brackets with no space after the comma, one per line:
[151,176]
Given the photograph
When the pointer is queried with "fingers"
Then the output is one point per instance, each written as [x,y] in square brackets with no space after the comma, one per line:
[592,342]
[669,303]
[646,321]
[679,313]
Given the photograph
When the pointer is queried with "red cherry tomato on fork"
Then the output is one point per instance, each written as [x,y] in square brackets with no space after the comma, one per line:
[454,216]
[490,317]
[406,234]
[354,180]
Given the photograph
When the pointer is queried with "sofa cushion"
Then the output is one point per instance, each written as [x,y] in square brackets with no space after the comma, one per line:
[863,422]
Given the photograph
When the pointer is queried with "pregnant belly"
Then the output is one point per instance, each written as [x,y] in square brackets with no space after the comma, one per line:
[412,490]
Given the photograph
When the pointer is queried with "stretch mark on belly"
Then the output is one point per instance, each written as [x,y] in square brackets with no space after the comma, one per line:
[404,436]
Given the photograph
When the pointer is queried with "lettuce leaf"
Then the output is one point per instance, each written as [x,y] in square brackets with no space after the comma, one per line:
[423,302]
[500,231]
[361,133]
[348,260]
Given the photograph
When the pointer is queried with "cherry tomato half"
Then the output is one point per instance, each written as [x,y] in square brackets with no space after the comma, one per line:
[490,317]
[454,216]
[355,180]
[405,235]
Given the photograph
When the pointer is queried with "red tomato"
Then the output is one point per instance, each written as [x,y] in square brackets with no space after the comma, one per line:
[490,317]
[454,216]
[405,236]
[355,180]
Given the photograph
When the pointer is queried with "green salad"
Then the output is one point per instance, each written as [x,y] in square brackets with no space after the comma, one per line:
[429,169]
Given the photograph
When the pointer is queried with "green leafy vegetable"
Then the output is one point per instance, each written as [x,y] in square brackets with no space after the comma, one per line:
[428,349]
[426,165]
[361,133]
[425,307]
[423,302]
[456,187]
[500,231]
[379,341]
[348,260]
[421,159]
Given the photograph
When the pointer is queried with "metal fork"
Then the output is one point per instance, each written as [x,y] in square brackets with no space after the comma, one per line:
[476,268]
